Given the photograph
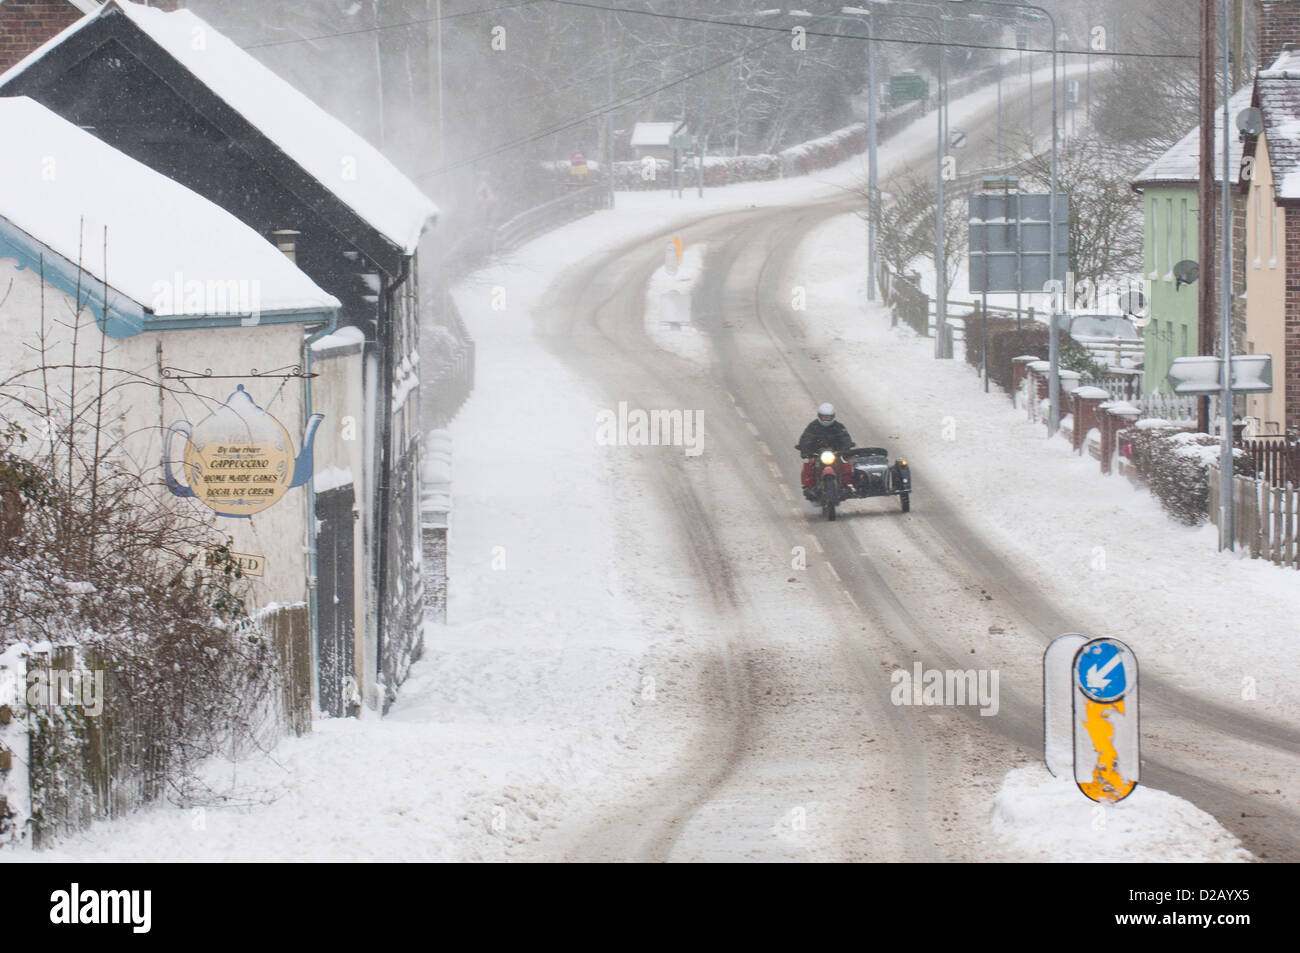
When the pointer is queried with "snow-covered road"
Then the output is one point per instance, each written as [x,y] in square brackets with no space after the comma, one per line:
[657,654]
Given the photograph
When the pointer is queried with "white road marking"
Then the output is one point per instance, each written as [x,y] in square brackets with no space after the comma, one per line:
[818,543]
[767,451]
[752,428]
[785,490]
[853,602]
[741,410]
[834,572]
[775,471]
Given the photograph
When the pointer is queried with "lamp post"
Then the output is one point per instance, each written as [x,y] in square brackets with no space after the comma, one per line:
[1053,332]
[1227,532]
[941,148]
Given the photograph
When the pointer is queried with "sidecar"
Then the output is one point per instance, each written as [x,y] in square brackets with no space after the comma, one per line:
[874,475]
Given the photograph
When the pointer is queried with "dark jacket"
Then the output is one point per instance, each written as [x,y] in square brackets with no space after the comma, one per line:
[817,436]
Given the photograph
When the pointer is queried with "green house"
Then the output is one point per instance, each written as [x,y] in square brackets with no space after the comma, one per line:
[1171,223]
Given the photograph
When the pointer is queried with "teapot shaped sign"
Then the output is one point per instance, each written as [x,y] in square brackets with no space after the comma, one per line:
[239,459]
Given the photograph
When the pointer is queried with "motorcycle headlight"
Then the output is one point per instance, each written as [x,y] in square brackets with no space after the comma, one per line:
[828,457]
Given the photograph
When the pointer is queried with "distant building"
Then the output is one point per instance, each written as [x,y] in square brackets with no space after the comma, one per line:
[1272,243]
[1171,233]
[653,139]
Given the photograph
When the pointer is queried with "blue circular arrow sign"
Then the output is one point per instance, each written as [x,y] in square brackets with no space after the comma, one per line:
[1099,670]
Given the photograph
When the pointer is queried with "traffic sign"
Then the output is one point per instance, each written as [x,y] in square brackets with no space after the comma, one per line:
[1248,373]
[1100,671]
[907,86]
[1105,716]
[1010,241]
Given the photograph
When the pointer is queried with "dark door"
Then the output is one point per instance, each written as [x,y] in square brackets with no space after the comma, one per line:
[334,597]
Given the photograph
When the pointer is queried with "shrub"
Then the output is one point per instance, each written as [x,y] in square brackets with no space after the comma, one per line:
[1175,465]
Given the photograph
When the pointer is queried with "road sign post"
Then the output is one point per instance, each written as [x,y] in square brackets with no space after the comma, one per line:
[1105,720]
[1244,374]
[1058,686]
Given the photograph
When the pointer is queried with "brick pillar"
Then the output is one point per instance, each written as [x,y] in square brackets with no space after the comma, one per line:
[1087,414]
[1019,371]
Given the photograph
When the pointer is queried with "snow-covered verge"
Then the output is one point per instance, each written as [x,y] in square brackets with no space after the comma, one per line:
[527,698]
[668,319]
[1218,624]
[1037,817]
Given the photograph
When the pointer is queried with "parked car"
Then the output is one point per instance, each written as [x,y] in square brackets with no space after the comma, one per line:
[1112,339]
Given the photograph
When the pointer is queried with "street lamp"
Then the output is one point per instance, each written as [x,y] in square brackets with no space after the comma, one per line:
[941,148]
[1053,333]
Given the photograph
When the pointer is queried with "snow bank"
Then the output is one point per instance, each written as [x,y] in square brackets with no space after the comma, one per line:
[1038,817]
[668,308]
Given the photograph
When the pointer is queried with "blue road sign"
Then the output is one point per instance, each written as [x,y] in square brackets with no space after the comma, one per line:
[1100,672]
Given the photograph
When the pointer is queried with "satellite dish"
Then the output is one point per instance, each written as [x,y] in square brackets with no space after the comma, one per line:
[1185,272]
[1250,121]
[1133,302]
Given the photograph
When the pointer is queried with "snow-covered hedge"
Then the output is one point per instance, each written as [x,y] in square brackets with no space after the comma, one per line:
[1175,464]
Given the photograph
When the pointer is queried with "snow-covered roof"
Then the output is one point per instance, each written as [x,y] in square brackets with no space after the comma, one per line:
[1286,66]
[1277,93]
[652,133]
[326,149]
[1181,163]
[63,187]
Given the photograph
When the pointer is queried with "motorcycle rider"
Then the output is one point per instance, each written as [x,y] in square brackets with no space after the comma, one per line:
[820,434]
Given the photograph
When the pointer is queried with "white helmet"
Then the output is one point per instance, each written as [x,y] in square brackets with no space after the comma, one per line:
[826,414]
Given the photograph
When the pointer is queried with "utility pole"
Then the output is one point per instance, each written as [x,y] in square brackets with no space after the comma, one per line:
[609,111]
[873,188]
[1205,200]
[940,296]
[435,70]
[1227,532]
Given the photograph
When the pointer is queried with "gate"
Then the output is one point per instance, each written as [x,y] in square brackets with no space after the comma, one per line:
[335,600]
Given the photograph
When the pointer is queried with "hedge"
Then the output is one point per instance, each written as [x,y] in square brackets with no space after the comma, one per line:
[1175,464]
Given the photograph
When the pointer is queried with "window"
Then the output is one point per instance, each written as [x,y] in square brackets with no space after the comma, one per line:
[1272,233]
[1155,238]
[1169,238]
[1259,216]
[1183,257]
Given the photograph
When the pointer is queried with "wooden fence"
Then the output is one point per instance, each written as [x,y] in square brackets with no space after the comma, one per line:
[1277,459]
[1264,518]
[95,751]
[907,301]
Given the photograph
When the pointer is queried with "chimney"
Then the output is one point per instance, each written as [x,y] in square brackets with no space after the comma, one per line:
[286,239]
[1278,29]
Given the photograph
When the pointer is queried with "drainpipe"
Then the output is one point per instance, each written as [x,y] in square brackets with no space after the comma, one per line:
[313,583]
[385,335]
